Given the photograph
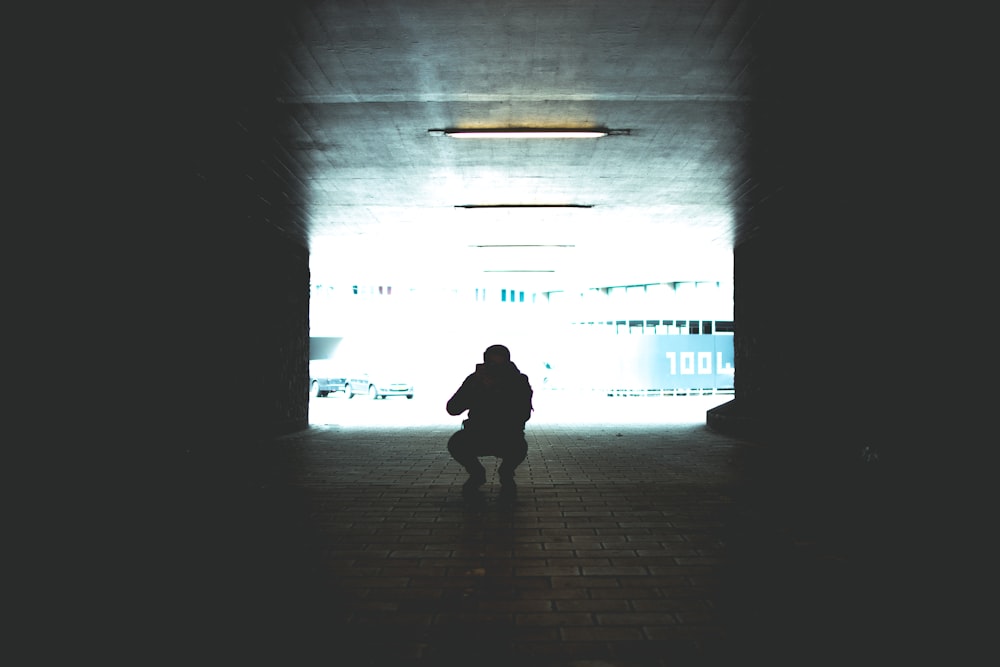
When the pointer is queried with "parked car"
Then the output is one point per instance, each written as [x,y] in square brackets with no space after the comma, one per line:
[378,386]
[323,378]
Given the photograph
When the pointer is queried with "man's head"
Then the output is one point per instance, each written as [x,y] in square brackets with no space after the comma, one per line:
[496,355]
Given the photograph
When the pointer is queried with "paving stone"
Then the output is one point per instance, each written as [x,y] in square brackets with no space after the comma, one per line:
[590,605]
[554,618]
[601,634]
[636,618]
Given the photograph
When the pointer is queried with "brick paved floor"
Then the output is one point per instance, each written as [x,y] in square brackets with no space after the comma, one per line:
[627,544]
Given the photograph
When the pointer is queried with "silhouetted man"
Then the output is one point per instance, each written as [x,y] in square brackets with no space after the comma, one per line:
[498,398]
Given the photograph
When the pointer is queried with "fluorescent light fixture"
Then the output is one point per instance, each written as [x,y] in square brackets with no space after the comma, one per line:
[524,206]
[528,133]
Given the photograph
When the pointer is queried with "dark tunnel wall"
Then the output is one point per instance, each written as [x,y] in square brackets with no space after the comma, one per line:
[246,203]
[188,293]
[225,267]
[830,263]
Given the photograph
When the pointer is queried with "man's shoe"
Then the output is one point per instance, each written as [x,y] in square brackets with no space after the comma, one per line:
[507,481]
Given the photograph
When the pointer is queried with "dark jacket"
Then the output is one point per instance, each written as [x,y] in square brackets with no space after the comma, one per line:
[498,400]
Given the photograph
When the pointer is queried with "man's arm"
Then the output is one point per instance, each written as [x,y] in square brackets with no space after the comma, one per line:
[461,401]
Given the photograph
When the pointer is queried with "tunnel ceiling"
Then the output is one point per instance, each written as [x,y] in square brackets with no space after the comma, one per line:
[368,86]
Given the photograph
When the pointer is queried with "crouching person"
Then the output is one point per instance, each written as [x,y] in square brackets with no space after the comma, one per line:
[498,399]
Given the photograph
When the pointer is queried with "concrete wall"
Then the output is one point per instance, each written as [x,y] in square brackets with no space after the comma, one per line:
[220,284]
[831,265]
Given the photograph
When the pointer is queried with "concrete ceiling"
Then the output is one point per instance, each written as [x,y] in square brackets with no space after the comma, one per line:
[390,201]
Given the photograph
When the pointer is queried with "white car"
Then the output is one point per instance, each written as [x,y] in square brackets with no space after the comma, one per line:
[324,378]
[378,386]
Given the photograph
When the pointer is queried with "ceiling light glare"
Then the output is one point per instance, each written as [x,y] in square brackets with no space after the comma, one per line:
[526,134]
[477,206]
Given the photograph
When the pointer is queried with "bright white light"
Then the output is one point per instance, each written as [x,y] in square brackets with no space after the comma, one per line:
[527,134]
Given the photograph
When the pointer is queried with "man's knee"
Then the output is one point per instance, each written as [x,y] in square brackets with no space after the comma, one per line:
[458,444]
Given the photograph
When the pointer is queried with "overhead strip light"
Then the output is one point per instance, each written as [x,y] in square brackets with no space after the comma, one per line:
[524,206]
[527,133]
